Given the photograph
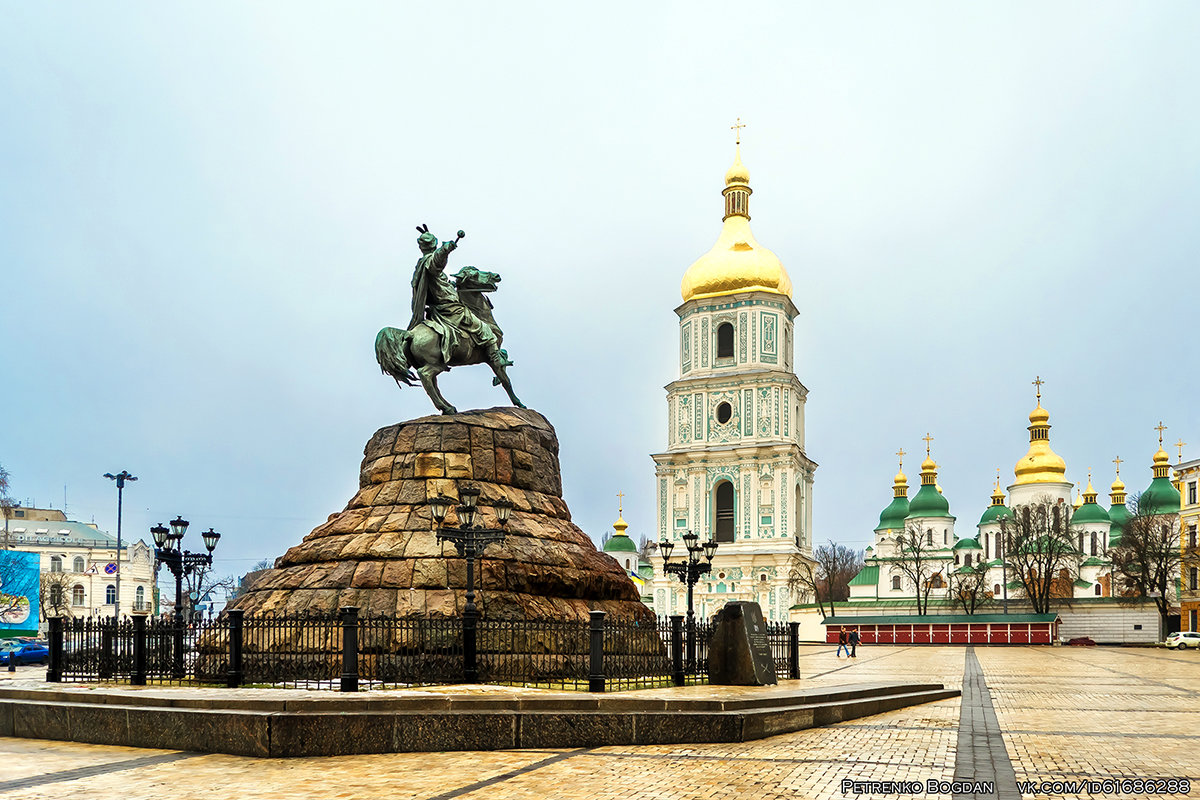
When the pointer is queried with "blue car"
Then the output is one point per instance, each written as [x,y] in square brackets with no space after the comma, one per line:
[24,653]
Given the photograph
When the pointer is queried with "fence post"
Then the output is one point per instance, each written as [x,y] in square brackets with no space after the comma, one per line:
[793,650]
[54,671]
[107,638]
[596,671]
[138,676]
[677,649]
[234,676]
[349,648]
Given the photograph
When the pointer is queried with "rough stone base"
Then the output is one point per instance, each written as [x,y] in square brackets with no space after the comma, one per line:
[380,553]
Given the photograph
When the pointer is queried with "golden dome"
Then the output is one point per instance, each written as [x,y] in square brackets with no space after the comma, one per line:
[1040,464]
[928,465]
[738,172]
[620,525]
[1161,456]
[737,262]
[900,480]
[1118,485]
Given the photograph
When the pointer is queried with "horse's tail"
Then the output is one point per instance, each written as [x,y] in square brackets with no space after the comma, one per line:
[391,346]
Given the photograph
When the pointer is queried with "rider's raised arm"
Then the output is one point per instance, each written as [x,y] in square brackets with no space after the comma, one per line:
[438,262]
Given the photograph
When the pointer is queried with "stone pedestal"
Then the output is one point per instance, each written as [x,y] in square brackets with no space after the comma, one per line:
[739,653]
[381,553]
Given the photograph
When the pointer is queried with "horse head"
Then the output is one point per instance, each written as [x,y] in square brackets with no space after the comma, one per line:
[472,279]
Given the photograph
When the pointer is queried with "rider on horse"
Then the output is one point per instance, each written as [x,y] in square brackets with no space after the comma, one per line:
[436,303]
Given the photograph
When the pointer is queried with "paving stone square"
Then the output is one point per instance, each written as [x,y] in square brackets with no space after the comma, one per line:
[1038,714]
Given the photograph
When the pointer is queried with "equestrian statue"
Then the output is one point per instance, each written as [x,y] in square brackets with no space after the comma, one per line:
[452,325]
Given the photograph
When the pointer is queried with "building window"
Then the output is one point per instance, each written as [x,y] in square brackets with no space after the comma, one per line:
[956,559]
[77,595]
[140,594]
[1192,493]
[110,595]
[724,412]
[55,564]
[724,340]
[996,590]
[929,536]
[1193,579]
[724,511]
[79,565]
[1093,543]
[945,536]
[1097,590]
[1192,536]
[896,582]
[56,596]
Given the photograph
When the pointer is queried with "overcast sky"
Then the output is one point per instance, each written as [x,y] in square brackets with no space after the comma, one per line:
[207,211]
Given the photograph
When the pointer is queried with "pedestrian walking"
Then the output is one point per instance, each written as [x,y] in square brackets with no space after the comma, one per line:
[843,642]
[854,640]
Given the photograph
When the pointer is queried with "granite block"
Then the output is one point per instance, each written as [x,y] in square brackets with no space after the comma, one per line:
[550,729]
[332,734]
[455,731]
[100,724]
[674,728]
[42,721]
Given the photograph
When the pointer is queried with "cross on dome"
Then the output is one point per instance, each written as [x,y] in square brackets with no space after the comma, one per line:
[737,130]
[901,454]
[1118,461]
[927,439]
[1160,428]
[1181,444]
[1038,383]
[620,506]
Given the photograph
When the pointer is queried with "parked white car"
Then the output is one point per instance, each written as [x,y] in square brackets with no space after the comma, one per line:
[1183,640]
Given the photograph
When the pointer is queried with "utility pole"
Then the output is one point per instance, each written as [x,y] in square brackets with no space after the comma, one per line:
[121,478]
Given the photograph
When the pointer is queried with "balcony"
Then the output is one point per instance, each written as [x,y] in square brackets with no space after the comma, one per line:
[142,606]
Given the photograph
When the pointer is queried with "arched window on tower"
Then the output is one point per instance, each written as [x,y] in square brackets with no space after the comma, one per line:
[724,340]
[896,582]
[723,512]
[929,536]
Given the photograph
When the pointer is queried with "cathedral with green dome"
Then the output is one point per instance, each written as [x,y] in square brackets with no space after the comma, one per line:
[1039,476]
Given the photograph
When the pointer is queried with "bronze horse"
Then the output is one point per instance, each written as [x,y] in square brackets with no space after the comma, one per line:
[399,352]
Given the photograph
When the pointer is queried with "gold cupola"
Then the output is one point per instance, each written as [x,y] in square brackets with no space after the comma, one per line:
[737,262]
[1040,464]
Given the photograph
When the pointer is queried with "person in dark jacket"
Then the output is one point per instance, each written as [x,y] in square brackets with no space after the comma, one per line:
[843,642]
[854,639]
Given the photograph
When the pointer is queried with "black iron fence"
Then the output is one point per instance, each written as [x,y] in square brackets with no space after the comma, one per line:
[347,651]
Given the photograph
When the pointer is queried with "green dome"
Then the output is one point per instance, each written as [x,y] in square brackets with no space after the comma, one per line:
[893,516]
[620,543]
[967,544]
[1160,498]
[928,502]
[1089,512]
[1118,515]
[993,514]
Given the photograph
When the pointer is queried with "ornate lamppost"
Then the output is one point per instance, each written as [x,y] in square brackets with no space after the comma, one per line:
[169,550]
[470,540]
[689,571]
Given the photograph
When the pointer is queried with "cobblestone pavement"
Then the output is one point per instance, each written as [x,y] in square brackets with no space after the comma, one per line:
[1061,714]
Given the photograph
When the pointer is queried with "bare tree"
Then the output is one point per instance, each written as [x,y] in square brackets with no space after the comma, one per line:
[826,576]
[917,560]
[55,594]
[1040,552]
[1147,558]
[968,587]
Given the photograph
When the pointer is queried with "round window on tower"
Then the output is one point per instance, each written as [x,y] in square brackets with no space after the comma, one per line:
[724,412]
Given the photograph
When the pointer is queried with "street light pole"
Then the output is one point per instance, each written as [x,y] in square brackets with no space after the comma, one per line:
[689,572]
[470,540]
[121,478]
[169,551]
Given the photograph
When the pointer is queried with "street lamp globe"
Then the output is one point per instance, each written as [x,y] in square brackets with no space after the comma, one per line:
[503,508]
[160,532]
[439,507]
[211,538]
[469,496]
[666,546]
[179,527]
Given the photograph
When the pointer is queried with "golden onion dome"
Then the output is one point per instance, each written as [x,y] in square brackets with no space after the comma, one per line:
[1118,485]
[1040,464]
[738,172]
[737,262]
[1161,456]
[928,465]
[900,480]
[620,525]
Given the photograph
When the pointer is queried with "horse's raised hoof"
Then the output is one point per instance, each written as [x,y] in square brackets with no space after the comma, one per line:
[450,410]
